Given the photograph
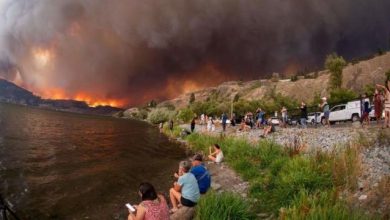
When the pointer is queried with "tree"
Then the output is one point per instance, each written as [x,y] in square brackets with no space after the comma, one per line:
[338,96]
[152,104]
[387,75]
[186,115]
[335,64]
[192,98]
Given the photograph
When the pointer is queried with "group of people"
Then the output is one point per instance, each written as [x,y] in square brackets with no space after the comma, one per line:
[193,180]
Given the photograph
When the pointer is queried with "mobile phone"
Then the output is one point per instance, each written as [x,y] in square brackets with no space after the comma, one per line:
[130,207]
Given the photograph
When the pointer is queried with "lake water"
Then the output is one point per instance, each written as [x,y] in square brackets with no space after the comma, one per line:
[56,165]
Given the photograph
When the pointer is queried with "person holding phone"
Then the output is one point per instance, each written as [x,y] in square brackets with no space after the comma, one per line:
[152,207]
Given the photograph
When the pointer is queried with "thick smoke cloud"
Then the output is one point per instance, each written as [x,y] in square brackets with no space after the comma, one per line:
[139,50]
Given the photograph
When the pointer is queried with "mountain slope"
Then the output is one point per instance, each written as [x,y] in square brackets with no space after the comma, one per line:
[355,77]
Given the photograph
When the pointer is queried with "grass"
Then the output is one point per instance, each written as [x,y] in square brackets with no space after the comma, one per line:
[288,185]
[216,206]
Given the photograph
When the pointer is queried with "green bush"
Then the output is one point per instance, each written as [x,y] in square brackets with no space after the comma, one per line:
[214,206]
[338,96]
[158,115]
[185,115]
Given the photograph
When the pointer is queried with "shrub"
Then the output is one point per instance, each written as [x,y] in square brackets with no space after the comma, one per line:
[340,95]
[335,64]
[185,115]
[214,206]
[158,115]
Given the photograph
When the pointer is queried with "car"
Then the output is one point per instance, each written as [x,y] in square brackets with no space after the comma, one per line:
[295,120]
[314,117]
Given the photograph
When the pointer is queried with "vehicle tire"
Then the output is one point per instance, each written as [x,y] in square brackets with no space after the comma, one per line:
[312,122]
[355,117]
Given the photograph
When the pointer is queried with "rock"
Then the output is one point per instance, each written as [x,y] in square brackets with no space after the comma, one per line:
[362,197]
[215,186]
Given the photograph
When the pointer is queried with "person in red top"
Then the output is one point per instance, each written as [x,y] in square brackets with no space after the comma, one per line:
[378,105]
[152,207]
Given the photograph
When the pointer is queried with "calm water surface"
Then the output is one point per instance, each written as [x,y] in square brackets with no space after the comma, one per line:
[56,165]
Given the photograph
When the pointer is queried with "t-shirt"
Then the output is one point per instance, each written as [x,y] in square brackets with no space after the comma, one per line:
[303,112]
[203,178]
[326,107]
[189,187]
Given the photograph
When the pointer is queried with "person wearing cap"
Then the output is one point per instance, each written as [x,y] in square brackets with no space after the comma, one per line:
[201,174]
[186,189]
[325,109]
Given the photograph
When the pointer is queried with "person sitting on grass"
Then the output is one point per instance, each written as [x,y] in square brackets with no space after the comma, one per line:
[217,155]
[152,207]
[270,128]
[186,189]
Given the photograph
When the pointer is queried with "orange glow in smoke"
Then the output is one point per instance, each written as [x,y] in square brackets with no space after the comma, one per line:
[91,101]
[42,57]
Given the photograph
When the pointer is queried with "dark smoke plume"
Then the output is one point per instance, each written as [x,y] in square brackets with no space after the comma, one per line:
[138,50]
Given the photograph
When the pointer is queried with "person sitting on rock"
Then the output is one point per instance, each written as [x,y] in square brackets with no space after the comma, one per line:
[201,174]
[186,189]
[217,155]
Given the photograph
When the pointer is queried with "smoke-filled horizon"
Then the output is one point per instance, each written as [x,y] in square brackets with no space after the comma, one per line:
[134,51]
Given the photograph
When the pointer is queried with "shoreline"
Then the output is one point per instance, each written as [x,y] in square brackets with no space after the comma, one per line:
[368,184]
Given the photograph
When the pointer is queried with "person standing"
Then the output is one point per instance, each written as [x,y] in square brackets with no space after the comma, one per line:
[303,115]
[193,125]
[224,120]
[284,116]
[171,125]
[387,102]
[378,105]
[366,110]
[325,109]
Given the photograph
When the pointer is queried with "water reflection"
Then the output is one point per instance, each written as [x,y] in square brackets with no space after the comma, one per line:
[67,166]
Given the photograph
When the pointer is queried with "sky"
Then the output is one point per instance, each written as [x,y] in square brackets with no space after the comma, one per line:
[128,52]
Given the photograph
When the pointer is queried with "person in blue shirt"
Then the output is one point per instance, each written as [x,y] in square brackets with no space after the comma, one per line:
[186,189]
[201,174]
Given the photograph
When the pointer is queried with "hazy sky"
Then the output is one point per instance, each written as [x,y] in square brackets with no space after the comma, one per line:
[134,51]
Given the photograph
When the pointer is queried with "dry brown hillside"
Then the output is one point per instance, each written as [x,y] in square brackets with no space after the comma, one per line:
[355,77]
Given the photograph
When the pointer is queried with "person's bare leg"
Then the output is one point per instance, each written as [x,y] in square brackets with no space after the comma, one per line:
[174,197]
[212,158]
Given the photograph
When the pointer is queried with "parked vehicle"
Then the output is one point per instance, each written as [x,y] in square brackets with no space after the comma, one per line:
[344,112]
[314,117]
[293,121]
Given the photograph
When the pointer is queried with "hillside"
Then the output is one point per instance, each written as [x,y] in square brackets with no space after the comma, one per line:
[11,93]
[355,77]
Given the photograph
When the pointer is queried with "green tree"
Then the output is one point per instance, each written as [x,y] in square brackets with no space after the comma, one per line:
[186,115]
[152,104]
[236,98]
[192,98]
[387,75]
[340,95]
[335,64]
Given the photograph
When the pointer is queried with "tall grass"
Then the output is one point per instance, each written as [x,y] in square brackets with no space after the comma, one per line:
[214,206]
[306,186]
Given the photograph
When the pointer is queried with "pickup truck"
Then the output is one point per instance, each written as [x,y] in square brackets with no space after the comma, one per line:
[344,112]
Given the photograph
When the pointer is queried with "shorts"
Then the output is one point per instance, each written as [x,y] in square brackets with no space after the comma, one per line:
[326,114]
[187,202]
